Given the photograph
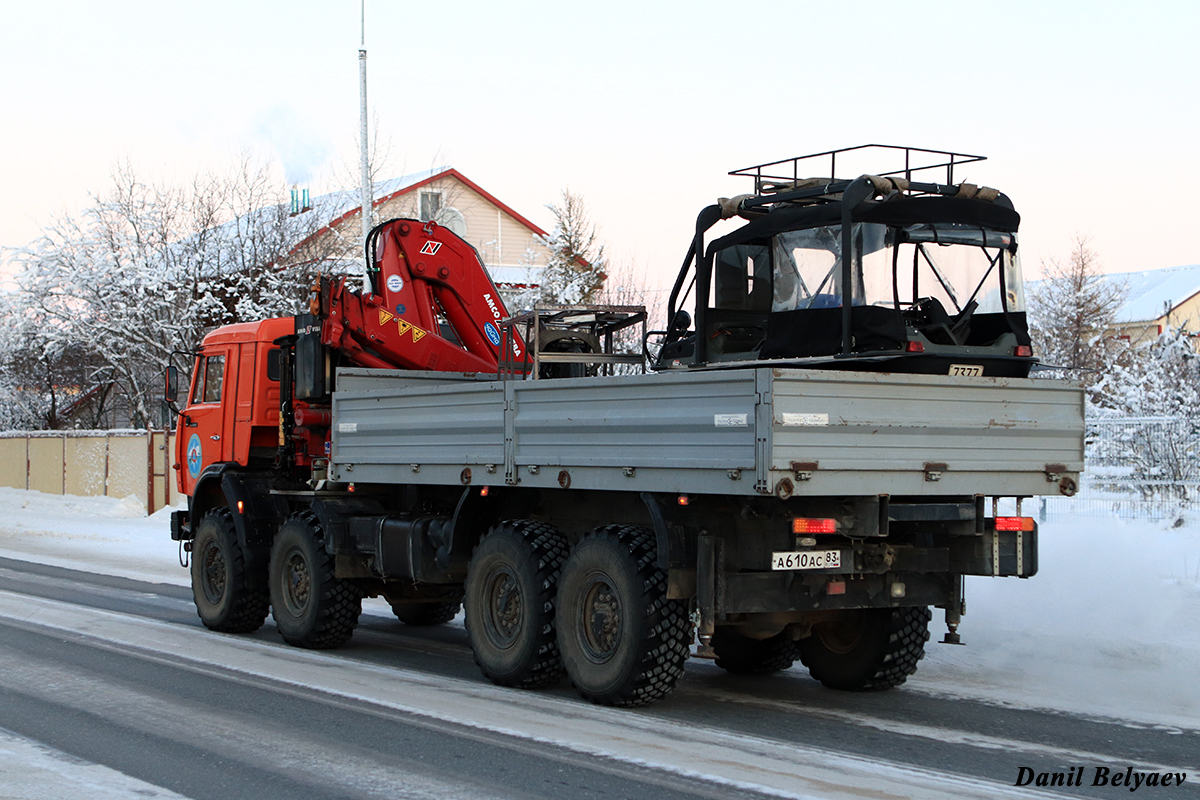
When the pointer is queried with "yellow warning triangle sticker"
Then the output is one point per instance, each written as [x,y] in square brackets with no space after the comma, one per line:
[404,326]
[385,316]
[418,334]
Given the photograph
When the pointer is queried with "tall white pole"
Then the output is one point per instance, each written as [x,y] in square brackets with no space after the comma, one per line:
[363,145]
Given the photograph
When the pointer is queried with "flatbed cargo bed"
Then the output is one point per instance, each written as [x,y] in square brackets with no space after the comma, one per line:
[739,432]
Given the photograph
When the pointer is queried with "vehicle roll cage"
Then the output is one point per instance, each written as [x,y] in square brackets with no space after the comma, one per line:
[775,187]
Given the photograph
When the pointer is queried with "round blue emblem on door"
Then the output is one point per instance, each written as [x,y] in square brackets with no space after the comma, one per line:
[492,334]
[194,456]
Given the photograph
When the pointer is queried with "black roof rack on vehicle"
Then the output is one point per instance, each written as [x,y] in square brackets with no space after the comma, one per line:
[884,160]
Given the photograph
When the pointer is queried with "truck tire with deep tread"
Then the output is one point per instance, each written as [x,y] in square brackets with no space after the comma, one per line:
[311,607]
[422,615]
[509,600]
[623,642]
[228,599]
[867,649]
[743,655]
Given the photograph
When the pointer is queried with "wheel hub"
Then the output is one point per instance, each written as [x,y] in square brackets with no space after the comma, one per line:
[214,573]
[843,636]
[505,607]
[297,583]
[601,619]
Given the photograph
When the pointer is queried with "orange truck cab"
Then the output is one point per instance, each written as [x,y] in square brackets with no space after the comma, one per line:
[232,407]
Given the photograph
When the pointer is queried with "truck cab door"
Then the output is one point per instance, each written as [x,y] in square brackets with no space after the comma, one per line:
[238,426]
[204,426]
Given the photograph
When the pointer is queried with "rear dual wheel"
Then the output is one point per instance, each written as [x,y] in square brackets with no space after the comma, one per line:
[312,608]
[509,599]
[743,655]
[422,615]
[869,649]
[623,643]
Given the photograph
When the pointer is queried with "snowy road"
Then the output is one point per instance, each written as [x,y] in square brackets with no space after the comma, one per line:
[117,676]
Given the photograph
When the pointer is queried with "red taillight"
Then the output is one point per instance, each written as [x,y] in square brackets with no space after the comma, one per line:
[835,587]
[1014,523]
[915,347]
[682,499]
[810,525]
[1023,350]
[483,492]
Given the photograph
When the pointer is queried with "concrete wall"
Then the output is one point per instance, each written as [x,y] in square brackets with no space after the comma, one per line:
[91,463]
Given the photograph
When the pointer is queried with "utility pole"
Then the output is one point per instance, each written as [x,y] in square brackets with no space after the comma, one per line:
[367,204]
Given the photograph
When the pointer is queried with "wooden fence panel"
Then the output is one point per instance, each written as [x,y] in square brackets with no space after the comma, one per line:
[46,465]
[14,465]
[87,466]
[92,463]
[127,467]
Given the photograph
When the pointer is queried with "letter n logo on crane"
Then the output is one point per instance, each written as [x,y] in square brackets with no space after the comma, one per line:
[431,248]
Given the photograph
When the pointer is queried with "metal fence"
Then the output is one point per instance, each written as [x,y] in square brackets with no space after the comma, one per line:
[1136,468]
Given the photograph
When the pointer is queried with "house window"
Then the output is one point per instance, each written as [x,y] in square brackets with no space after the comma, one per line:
[431,204]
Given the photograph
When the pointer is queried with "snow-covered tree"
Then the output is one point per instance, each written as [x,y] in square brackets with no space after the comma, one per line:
[575,272]
[1071,313]
[147,270]
[41,374]
[1157,393]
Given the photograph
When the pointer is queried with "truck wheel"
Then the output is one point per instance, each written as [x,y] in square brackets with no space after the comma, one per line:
[509,598]
[623,642]
[867,649]
[425,614]
[742,655]
[311,607]
[221,583]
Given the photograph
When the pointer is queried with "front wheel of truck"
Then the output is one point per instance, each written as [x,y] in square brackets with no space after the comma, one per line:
[623,642]
[868,649]
[311,607]
[228,598]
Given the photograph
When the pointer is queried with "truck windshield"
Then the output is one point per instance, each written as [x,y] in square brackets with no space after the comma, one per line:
[898,266]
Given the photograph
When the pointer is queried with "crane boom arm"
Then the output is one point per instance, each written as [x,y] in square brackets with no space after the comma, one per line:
[422,274]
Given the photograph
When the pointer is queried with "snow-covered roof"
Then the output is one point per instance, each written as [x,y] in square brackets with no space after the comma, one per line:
[1148,293]
[338,204]
[324,211]
[516,276]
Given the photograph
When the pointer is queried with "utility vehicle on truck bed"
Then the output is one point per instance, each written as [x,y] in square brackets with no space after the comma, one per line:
[811,465]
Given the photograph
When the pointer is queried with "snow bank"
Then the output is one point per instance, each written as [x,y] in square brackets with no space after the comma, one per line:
[106,535]
[1107,628]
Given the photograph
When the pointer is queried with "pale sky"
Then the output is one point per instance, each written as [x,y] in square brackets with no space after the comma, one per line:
[1087,111]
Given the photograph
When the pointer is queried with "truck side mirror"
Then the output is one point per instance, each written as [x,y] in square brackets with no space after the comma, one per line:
[171,392]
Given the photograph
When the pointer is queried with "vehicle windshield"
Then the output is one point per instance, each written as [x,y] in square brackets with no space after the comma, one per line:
[955,264]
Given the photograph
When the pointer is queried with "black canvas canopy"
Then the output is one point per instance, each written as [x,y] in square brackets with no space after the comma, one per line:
[997,215]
